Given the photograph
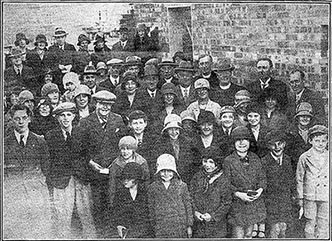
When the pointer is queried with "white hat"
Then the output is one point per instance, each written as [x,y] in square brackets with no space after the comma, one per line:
[114,62]
[172,120]
[71,77]
[166,162]
[202,83]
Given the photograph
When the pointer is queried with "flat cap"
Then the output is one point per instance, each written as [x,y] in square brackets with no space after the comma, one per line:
[65,106]
[114,62]
[104,96]
[185,66]
[318,129]
[202,83]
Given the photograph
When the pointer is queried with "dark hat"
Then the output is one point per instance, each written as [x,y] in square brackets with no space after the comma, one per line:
[240,133]
[133,60]
[44,101]
[168,88]
[205,116]
[129,76]
[318,129]
[65,106]
[150,70]
[15,52]
[270,93]
[59,32]
[41,38]
[90,69]
[223,65]
[19,37]
[99,38]
[81,38]
[212,152]
[185,66]
[254,107]
[104,96]
[274,136]
[132,170]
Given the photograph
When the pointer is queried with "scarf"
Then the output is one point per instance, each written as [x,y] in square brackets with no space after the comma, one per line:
[205,183]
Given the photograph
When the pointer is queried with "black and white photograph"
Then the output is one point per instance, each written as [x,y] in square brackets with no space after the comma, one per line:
[165,120]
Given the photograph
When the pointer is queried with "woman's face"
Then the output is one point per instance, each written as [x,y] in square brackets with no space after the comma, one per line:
[209,165]
[130,87]
[270,103]
[54,97]
[242,146]
[173,133]
[44,110]
[41,45]
[206,129]
[254,119]
[166,175]
[304,120]
[169,98]
[82,100]
[14,99]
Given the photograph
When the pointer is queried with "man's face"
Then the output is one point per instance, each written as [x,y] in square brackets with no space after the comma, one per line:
[41,45]
[205,65]
[224,77]
[114,71]
[202,93]
[185,78]
[65,119]
[82,100]
[152,82]
[60,40]
[84,44]
[227,120]
[138,125]
[263,69]
[167,72]
[123,36]
[134,69]
[277,148]
[17,60]
[103,108]
[89,80]
[21,121]
[296,82]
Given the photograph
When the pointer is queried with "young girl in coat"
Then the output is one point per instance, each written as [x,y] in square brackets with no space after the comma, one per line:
[248,181]
[211,192]
[169,202]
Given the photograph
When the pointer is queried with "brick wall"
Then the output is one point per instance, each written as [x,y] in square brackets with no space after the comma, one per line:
[292,35]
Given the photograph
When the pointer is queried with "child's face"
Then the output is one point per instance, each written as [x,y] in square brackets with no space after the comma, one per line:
[14,99]
[227,120]
[54,97]
[254,119]
[270,103]
[138,125]
[166,175]
[70,86]
[66,118]
[319,143]
[242,146]
[206,128]
[209,165]
[126,152]
[304,120]
[173,133]
[129,183]
[277,147]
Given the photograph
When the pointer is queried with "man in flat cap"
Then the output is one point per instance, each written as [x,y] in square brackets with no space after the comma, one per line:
[114,72]
[99,135]
[124,44]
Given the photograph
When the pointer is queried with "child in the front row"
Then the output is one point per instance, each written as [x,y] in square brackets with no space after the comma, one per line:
[280,185]
[169,202]
[128,147]
[312,176]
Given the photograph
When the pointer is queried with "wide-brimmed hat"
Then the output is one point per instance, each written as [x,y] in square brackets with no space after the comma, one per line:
[240,133]
[82,89]
[65,106]
[172,120]
[166,162]
[243,96]
[206,117]
[60,32]
[114,62]
[132,170]
[254,107]
[168,88]
[19,37]
[104,96]
[188,115]
[129,76]
[41,38]
[90,69]
[101,65]
[133,60]
[212,152]
[48,88]
[185,66]
[81,38]
[304,108]
[223,65]
[71,77]
[15,52]
[25,95]
[165,61]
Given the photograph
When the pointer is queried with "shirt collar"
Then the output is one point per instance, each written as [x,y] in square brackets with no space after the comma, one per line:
[206,76]
[225,87]
[18,136]
[18,68]
[64,132]
[278,159]
[152,92]
[266,82]
[115,80]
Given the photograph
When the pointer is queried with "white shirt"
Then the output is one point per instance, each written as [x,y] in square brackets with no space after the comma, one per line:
[266,84]
[64,132]
[123,44]
[226,87]
[18,136]
[207,140]
[255,131]
[139,137]
[131,99]
[152,92]
[277,158]
[18,69]
[227,131]
[183,91]
[93,90]
[114,81]
[206,76]
[298,96]
[169,80]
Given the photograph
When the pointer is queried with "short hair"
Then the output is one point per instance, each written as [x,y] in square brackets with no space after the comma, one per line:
[265,59]
[205,55]
[312,136]
[302,74]
[18,107]
[137,114]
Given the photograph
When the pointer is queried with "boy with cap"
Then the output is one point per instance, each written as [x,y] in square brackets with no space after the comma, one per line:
[312,176]
[280,185]
[59,179]
[70,83]
[170,204]
[127,147]
[203,102]
[248,181]
[131,212]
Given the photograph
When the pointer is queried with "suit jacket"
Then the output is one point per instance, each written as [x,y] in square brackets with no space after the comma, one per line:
[97,143]
[259,147]
[128,47]
[26,80]
[150,105]
[33,158]
[278,86]
[163,81]
[80,60]
[65,56]
[225,97]
[191,98]
[122,104]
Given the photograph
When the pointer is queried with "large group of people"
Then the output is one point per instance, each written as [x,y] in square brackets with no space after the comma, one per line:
[124,148]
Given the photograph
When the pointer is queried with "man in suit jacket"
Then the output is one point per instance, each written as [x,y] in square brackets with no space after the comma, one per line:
[224,94]
[304,94]
[205,68]
[99,135]
[258,87]
[124,44]
[185,89]
[26,205]
[112,83]
[167,72]
[19,74]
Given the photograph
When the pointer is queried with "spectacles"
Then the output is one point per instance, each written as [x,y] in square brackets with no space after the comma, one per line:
[262,67]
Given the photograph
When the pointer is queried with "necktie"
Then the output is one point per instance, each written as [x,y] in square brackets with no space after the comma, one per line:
[139,142]
[152,95]
[185,93]
[68,139]
[245,160]
[21,141]
[18,73]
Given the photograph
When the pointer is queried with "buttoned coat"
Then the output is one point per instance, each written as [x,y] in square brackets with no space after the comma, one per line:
[26,80]
[245,177]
